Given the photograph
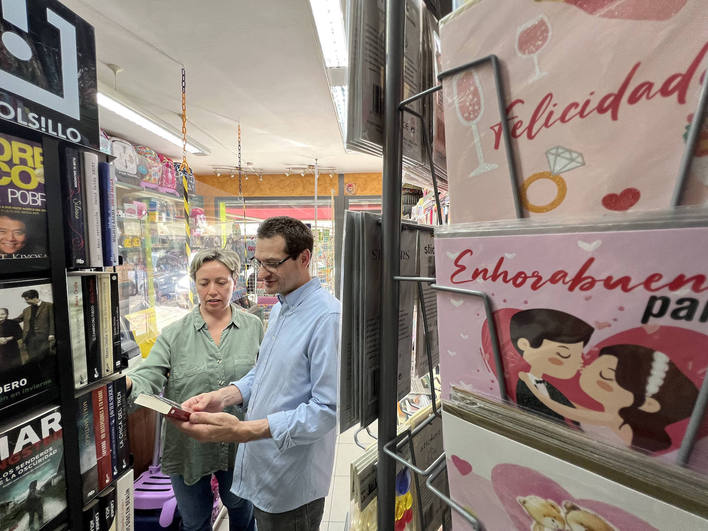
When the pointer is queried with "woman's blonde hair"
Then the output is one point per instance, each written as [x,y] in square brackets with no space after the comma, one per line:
[228,258]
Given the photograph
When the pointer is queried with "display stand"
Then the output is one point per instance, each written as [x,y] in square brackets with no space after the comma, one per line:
[67,394]
[389,443]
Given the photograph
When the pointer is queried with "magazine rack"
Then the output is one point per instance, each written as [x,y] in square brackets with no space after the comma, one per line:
[389,442]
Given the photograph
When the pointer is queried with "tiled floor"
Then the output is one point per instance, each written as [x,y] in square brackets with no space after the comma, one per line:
[337,503]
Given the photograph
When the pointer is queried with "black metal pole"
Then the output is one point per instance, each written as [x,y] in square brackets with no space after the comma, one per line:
[391,227]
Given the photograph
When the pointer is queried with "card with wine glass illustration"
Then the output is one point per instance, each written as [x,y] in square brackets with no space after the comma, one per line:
[597,121]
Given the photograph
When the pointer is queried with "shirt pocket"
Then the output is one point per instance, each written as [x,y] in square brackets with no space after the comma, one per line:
[187,370]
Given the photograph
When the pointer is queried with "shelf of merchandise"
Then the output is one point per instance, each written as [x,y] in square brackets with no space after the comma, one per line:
[65,393]
[389,442]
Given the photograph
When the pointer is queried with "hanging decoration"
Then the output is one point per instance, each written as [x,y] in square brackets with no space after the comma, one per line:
[184,169]
[240,193]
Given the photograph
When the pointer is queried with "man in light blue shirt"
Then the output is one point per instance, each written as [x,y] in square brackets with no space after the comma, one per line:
[285,467]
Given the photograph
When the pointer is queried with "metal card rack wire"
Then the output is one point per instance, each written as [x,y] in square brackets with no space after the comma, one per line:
[389,443]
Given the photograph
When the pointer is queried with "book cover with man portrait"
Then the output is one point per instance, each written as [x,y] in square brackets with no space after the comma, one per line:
[23,206]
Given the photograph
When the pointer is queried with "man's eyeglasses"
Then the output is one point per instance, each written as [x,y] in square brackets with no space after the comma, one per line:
[269,265]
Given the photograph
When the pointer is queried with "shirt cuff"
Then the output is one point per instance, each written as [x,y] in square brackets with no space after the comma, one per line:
[245,391]
[278,424]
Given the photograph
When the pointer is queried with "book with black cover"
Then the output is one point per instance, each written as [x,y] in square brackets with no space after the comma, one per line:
[74,214]
[32,485]
[110,389]
[107,502]
[91,326]
[27,348]
[162,405]
[122,448]
[23,210]
[88,464]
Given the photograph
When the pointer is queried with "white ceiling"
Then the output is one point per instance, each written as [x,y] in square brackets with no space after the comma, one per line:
[253,61]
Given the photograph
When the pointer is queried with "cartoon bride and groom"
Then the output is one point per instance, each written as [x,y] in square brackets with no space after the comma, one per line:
[641,390]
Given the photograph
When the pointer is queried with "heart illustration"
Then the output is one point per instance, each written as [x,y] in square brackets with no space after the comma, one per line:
[589,246]
[602,324]
[621,308]
[587,297]
[510,255]
[462,466]
[451,353]
[457,302]
[625,200]
[464,336]
[451,256]
[651,328]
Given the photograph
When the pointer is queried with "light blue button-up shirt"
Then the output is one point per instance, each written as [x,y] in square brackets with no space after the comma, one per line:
[294,386]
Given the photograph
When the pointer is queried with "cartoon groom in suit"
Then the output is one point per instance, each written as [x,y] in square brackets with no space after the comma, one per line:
[552,343]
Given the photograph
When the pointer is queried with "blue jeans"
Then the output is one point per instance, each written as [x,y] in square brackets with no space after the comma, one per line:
[305,518]
[195,503]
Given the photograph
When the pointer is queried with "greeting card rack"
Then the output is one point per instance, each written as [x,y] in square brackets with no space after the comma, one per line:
[389,443]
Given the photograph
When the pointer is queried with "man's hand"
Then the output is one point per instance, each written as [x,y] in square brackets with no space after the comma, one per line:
[222,427]
[215,401]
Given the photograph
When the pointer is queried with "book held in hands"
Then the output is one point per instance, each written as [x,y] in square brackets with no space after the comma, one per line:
[163,405]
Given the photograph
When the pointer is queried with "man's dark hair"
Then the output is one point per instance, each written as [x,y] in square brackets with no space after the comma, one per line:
[30,294]
[540,323]
[296,234]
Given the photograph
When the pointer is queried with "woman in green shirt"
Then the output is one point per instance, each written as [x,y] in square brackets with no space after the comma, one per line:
[216,343]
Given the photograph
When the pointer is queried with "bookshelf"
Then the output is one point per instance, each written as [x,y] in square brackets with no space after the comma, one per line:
[55,131]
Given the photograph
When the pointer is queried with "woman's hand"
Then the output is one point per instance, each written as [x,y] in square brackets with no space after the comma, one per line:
[215,401]
[209,402]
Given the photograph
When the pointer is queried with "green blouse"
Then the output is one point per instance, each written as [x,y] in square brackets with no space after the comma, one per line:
[184,362]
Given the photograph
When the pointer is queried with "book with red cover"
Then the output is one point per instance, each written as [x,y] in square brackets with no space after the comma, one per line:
[101,428]
[163,405]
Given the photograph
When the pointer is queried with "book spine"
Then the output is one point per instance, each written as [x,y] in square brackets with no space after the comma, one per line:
[91,515]
[178,414]
[114,210]
[93,360]
[124,501]
[115,324]
[76,330]
[108,509]
[122,441]
[92,198]
[74,210]
[110,388]
[105,326]
[87,447]
[108,213]
[101,429]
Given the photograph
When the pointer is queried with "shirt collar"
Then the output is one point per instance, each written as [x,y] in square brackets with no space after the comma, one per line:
[295,297]
[198,320]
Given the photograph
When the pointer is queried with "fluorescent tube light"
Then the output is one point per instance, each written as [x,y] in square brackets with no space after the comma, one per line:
[330,30]
[121,110]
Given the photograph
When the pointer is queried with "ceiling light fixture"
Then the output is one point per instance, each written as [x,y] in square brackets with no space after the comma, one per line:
[330,30]
[110,103]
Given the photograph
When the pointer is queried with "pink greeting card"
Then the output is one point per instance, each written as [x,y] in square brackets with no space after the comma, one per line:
[510,486]
[606,331]
[598,95]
